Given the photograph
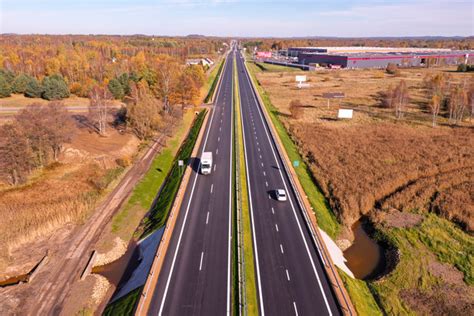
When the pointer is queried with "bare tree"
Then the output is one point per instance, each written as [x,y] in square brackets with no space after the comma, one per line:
[58,125]
[47,128]
[31,121]
[15,154]
[397,98]
[99,99]
[457,104]
[435,106]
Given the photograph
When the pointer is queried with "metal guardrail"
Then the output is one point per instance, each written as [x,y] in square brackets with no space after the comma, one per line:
[318,243]
[238,194]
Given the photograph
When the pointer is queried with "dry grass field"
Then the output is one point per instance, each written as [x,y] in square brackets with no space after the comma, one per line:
[373,160]
[392,172]
[63,193]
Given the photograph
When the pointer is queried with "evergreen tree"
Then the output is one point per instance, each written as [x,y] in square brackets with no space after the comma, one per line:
[33,89]
[115,87]
[7,75]
[5,87]
[20,83]
[54,88]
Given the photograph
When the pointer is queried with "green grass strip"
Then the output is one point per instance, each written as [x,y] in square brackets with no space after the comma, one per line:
[249,273]
[326,218]
[214,78]
[275,68]
[145,191]
[360,294]
[160,210]
[125,305]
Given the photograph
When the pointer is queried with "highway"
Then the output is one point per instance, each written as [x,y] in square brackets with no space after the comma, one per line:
[196,276]
[290,275]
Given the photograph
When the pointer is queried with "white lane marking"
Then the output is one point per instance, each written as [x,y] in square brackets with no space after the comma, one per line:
[281,248]
[215,167]
[291,201]
[276,227]
[269,197]
[261,164]
[260,156]
[212,187]
[273,210]
[207,218]
[264,174]
[287,275]
[220,129]
[219,139]
[229,239]
[185,216]
[296,310]
[217,151]
[258,148]
[266,183]
[257,264]
[200,263]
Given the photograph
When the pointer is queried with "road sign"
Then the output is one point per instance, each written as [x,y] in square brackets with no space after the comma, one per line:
[345,113]
[300,79]
[333,95]
[296,163]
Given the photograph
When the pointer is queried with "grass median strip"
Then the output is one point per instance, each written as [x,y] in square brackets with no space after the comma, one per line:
[248,254]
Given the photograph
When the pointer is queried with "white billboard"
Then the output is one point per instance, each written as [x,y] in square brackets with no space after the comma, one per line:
[300,78]
[345,114]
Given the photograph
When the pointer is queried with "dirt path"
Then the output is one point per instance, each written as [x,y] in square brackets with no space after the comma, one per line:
[46,293]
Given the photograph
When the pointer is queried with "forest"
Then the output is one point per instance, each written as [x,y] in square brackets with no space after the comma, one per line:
[149,75]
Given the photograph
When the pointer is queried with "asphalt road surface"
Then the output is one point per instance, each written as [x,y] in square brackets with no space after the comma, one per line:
[290,275]
[196,275]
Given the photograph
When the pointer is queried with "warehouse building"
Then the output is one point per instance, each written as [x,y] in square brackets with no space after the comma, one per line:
[379,57]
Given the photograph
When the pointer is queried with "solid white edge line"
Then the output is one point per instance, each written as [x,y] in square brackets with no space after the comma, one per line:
[187,211]
[291,200]
[259,283]
[229,252]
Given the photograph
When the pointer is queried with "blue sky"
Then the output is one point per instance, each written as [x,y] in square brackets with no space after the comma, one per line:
[239,17]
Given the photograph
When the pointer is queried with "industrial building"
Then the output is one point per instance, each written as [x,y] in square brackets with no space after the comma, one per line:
[378,57]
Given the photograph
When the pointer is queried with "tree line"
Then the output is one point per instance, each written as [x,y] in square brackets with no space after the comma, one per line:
[82,62]
[452,99]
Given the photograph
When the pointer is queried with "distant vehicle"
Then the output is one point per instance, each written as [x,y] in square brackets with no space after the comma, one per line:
[280,195]
[206,162]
